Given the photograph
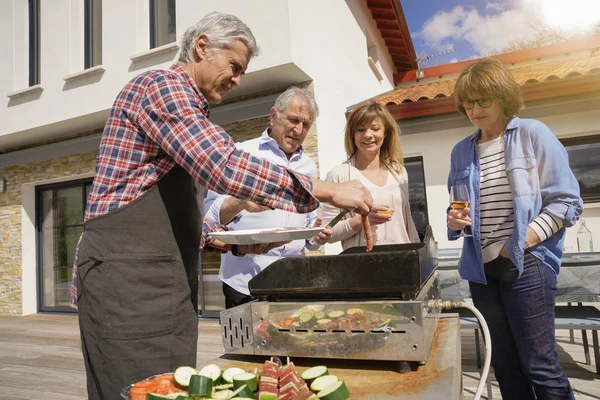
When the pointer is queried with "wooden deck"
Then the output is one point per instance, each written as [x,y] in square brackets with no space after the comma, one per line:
[40,357]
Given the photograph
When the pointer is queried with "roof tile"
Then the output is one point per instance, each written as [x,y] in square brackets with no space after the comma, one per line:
[524,75]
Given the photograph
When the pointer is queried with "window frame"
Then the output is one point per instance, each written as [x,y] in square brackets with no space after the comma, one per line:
[92,33]
[154,20]
[33,18]
[38,235]
[578,141]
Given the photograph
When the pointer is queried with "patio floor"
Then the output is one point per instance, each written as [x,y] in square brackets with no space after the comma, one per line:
[40,357]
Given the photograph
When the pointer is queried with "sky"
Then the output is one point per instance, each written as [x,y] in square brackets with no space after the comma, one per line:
[476,28]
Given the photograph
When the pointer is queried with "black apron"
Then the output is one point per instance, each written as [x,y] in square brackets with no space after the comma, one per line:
[137,282]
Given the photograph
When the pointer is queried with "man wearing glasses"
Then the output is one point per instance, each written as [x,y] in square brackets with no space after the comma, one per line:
[291,118]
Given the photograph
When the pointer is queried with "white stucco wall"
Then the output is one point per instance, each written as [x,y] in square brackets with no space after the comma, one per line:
[435,148]
[62,55]
[329,42]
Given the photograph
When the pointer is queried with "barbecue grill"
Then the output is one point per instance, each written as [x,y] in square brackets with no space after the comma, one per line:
[378,305]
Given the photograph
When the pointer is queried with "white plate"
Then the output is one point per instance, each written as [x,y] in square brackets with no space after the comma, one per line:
[256,236]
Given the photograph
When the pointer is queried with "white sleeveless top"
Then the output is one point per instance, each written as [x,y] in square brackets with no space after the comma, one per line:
[395,230]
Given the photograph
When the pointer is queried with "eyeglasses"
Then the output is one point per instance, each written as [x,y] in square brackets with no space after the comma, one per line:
[470,104]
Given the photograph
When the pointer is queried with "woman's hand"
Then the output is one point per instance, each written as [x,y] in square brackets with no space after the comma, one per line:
[458,219]
[378,219]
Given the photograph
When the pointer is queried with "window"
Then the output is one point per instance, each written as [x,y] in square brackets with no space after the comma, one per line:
[416,193]
[60,211]
[34,42]
[584,159]
[92,33]
[162,22]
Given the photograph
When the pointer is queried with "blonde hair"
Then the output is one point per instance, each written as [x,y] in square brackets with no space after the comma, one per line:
[489,77]
[364,114]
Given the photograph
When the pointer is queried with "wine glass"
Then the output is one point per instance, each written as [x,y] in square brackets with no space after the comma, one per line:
[387,200]
[459,200]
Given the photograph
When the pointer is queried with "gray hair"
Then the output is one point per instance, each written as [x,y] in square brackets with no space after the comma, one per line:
[221,30]
[283,101]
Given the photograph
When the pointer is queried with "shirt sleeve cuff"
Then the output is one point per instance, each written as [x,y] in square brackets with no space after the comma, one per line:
[546,225]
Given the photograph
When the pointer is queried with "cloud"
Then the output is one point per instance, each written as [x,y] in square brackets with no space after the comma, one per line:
[494,6]
[485,33]
[454,60]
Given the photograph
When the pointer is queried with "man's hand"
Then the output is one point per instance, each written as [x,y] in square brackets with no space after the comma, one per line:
[458,219]
[323,237]
[352,195]
[261,248]
[232,207]
[252,207]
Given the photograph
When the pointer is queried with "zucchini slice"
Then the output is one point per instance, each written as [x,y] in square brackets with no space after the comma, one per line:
[335,391]
[335,314]
[183,397]
[322,382]
[222,394]
[229,373]
[313,373]
[306,316]
[224,386]
[213,372]
[182,375]
[267,396]
[242,391]
[248,379]
[155,396]
[319,315]
[353,311]
[200,385]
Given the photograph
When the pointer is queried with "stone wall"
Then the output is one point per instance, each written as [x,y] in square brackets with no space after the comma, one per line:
[10,218]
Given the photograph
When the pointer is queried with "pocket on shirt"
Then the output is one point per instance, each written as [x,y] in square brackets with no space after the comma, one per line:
[523,177]
[141,296]
[460,176]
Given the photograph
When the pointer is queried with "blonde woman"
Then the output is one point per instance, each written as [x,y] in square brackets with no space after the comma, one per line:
[375,158]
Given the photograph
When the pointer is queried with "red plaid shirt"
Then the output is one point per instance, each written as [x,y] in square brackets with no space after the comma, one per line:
[160,118]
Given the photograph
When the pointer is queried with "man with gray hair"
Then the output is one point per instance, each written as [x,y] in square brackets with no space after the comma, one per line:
[135,275]
[291,117]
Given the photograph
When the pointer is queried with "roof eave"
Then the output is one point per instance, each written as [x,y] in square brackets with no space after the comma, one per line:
[586,43]
[531,91]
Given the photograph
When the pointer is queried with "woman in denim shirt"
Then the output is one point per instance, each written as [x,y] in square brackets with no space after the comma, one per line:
[523,196]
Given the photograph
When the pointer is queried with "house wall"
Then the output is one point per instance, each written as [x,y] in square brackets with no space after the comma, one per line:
[436,145]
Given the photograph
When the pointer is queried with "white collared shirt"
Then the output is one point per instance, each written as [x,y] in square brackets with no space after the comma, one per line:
[237,271]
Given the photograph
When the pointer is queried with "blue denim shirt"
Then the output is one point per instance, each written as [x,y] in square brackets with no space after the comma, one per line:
[537,168]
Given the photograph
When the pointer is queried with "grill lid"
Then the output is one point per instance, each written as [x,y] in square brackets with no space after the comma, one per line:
[391,271]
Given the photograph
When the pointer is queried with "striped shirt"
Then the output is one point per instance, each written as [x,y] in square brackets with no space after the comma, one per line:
[496,200]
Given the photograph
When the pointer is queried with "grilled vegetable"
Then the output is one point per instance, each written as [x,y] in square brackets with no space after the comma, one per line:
[306,316]
[335,314]
[353,311]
